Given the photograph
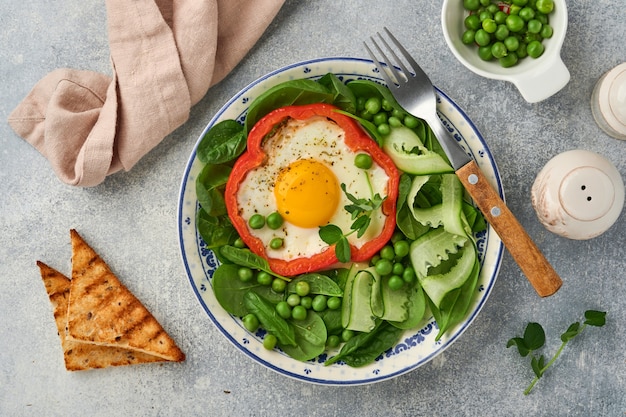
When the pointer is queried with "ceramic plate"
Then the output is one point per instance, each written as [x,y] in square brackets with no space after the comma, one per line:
[416,347]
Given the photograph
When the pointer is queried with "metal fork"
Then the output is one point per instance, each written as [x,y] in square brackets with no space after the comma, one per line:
[415,93]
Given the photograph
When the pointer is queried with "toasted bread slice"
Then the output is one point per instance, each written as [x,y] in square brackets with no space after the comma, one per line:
[78,355]
[104,312]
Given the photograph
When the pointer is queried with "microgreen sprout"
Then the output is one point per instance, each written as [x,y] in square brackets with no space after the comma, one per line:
[360,211]
[535,337]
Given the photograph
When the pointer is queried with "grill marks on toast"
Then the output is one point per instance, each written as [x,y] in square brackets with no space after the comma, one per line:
[100,322]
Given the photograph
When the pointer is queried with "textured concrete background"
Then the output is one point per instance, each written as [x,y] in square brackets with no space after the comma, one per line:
[131,220]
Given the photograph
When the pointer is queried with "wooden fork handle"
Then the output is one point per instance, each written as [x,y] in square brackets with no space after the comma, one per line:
[524,251]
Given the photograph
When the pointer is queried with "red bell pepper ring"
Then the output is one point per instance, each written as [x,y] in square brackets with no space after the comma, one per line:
[357,140]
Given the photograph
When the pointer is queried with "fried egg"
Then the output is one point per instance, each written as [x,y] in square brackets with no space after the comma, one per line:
[306,163]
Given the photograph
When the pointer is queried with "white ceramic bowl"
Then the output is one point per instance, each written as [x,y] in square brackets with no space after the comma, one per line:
[417,346]
[536,79]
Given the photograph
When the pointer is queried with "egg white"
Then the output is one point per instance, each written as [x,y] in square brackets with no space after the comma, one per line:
[322,140]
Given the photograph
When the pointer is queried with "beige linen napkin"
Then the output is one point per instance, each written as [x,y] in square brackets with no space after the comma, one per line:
[165,55]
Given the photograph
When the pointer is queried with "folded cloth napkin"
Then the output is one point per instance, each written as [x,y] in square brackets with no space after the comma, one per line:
[165,55]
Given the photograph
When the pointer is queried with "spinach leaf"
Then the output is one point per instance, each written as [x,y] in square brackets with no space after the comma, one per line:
[318,284]
[222,143]
[209,185]
[364,348]
[229,289]
[332,320]
[343,97]
[310,335]
[215,231]
[288,93]
[265,311]
[244,257]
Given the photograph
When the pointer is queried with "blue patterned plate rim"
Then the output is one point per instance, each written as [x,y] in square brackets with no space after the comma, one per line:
[417,346]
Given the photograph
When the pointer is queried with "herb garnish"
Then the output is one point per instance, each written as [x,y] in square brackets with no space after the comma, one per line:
[535,337]
[360,211]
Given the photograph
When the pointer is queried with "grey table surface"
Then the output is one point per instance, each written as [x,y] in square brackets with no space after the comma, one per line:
[131,220]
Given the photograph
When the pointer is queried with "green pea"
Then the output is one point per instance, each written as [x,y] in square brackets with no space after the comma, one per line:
[546,31]
[245,274]
[319,302]
[256,221]
[363,161]
[502,32]
[489,25]
[373,105]
[250,322]
[333,341]
[493,8]
[383,129]
[274,220]
[374,259]
[514,23]
[527,13]
[384,267]
[387,252]
[522,51]
[514,10]
[484,52]
[472,22]
[380,118]
[482,38]
[293,300]
[366,115]
[298,313]
[395,282]
[239,243]
[264,278]
[511,43]
[302,288]
[408,275]
[283,309]
[398,113]
[545,6]
[394,121]
[471,4]
[468,37]
[401,248]
[347,334]
[485,3]
[269,342]
[277,243]
[386,105]
[520,3]
[306,302]
[334,303]
[500,17]
[535,49]
[411,121]
[509,60]
[534,26]
[484,15]
[397,269]
[279,285]
[498,50]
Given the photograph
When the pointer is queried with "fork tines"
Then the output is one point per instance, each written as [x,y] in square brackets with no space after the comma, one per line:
[388,69]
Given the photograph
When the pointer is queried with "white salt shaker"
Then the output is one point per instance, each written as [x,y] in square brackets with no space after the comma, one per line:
[578,194]
[608,102]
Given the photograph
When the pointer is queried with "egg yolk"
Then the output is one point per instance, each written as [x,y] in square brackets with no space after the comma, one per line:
[307,193]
